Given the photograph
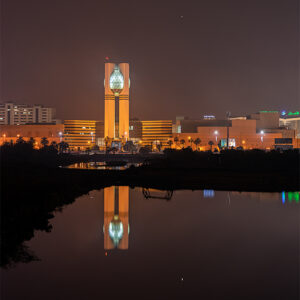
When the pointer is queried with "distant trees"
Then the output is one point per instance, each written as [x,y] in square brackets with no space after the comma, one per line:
[176,140]
[197,142]
[31,142]
[44,141]
[63,146]
[211,143]
[182,142]
[54,145]
[170,143]
[20,140]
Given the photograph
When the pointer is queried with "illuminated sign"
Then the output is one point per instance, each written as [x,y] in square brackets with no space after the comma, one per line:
[268,111]
[209,117]
[231,142]
[296,113]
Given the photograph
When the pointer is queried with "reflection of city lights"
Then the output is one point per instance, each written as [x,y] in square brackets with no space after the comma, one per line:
[208,193]
[291,196]
[116,230]
[283,197]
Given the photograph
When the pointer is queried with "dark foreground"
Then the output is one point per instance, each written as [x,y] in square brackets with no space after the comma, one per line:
[34,190]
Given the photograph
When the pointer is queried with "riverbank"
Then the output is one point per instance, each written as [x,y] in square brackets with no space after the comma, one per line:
[57,179]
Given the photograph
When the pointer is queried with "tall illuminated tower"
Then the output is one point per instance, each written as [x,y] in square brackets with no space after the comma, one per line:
[116,84]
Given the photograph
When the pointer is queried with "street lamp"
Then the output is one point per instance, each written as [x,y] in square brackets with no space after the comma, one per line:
[92,134]
[216,134]
[60,136]
[262,136]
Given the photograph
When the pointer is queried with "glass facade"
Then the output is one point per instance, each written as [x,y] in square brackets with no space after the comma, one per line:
[116,81]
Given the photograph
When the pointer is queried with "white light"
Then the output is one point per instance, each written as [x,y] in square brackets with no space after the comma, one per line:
[262,132]
[216,132]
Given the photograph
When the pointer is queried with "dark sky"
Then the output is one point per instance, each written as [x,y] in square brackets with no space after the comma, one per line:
[186,57]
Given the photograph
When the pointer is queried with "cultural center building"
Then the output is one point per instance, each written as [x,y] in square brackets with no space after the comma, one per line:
[261,130]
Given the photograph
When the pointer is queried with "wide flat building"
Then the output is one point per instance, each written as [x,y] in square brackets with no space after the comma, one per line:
[53,132]
[80,134]
[156,132]
[236,133]
[20,114]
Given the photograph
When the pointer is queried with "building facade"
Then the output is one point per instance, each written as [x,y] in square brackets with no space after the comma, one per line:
[10,133]
[80,134]
[116,85]
[156,132]
[20,114]
[237,133]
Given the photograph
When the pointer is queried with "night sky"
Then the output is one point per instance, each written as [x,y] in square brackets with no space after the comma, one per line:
[186,57]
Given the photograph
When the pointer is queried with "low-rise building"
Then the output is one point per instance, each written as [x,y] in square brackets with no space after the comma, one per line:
[80,134]
[235,133]
[53,133]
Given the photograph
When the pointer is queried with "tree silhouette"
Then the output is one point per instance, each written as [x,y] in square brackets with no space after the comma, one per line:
[170,143]
[182,142]
[210,143]
[31,142]
[63,146]
[44,141]
[54,144]
[197,142]
[176,140]
[20,140]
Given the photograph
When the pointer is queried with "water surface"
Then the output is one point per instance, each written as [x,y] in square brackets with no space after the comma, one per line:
[123,243]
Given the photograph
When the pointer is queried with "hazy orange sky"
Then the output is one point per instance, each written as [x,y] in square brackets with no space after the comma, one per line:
[186,57]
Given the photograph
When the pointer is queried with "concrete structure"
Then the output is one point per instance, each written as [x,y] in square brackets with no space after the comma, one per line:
[80,134]
[116,84]
[116,217]
[238,133]
[291,121]
[54,133]
[20,114]
[156,132]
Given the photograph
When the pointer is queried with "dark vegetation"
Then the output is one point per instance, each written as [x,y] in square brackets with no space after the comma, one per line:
[33,186]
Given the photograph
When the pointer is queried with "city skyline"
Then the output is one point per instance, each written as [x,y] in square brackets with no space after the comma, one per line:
[189,59]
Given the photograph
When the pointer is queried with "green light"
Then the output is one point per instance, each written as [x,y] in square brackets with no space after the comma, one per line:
[293,196]
[296,113]
[268,111]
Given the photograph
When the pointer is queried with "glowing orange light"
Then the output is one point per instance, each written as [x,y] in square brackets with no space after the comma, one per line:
[243,142]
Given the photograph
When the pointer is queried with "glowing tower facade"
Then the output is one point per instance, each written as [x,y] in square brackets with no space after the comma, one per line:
[116,222]
[116,84]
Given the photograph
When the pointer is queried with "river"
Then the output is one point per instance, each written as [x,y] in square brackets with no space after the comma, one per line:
[124,243]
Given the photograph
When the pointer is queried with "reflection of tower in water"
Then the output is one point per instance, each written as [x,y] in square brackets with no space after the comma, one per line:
[116,226]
